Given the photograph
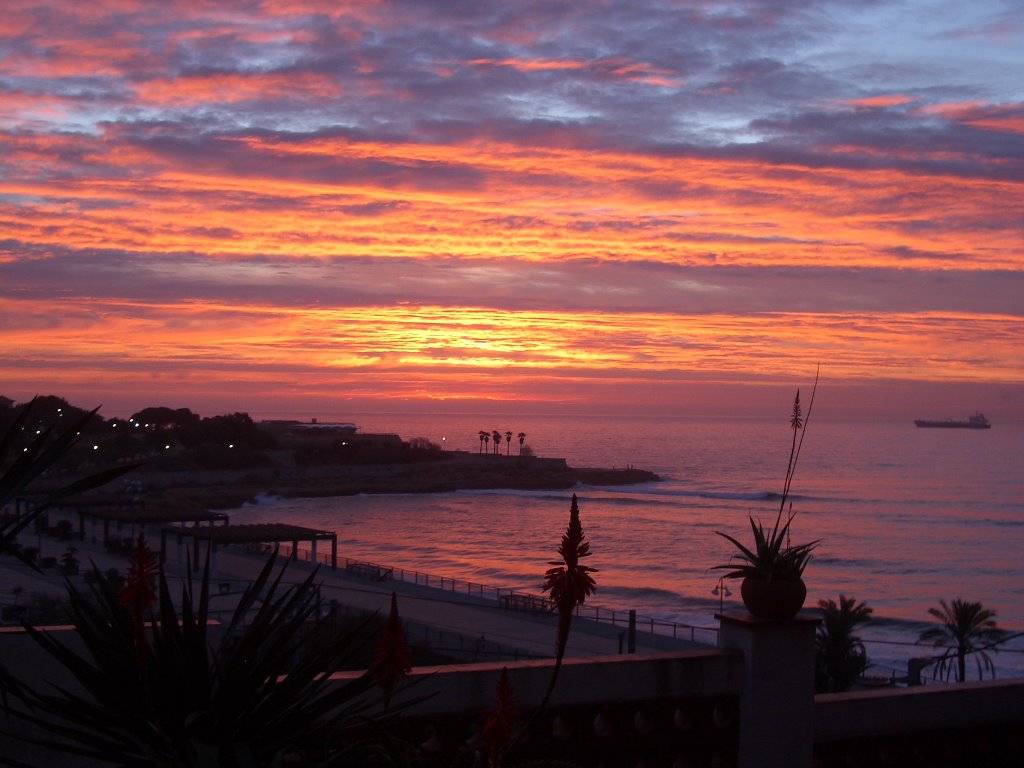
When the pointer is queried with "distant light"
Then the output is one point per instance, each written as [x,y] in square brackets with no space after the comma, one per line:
[231,445]
[167,447]
[95,447]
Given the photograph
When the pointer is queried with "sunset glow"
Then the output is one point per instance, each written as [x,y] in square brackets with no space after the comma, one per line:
[325,207]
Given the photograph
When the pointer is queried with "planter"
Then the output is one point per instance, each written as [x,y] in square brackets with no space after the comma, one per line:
[780,599]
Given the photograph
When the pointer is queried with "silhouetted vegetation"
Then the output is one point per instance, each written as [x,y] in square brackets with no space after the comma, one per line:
[840,657]
[965,629]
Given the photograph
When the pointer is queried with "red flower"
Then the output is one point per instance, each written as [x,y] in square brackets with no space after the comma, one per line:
[139,591]
[392,661]
[569,584]
[496,733]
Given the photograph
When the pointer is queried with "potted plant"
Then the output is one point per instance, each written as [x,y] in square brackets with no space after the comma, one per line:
[772,568]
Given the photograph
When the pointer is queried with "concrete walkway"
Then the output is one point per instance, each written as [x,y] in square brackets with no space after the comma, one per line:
[471,619]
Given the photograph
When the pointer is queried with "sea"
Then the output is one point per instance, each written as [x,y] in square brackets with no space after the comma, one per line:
[906,516]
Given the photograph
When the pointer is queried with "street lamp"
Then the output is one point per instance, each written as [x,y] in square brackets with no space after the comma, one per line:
[722,591]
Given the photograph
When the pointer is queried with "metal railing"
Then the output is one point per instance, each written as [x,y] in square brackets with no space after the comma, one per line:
[512,598]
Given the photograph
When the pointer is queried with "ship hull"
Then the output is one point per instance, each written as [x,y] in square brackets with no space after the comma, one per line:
[951,425]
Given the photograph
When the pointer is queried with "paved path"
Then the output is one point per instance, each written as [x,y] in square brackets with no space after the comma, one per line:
[469,618]
[531,633]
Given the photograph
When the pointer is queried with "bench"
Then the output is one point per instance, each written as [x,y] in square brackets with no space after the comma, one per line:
[369,571]
[522,602]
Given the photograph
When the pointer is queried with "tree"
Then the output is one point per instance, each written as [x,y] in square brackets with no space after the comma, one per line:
[508,443]
[160,418]
[496,435]
[966,629]
[486,438]
[483,438]
[522,439]
[840,657]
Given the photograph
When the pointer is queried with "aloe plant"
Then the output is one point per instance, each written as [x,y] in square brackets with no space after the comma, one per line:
[772,557]
[569,582]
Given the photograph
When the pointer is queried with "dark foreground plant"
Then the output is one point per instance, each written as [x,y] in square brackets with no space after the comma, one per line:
[569,584]
[24,461]
[393,659]
[840,657]
[499,728]
[772,556]
[182,699]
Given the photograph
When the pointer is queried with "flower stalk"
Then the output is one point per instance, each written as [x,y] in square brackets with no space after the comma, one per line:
[392,662]
[138,593]
[569,584]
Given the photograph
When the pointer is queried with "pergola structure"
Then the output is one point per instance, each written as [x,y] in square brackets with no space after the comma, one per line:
[261,533]
[122,511]
[144,516]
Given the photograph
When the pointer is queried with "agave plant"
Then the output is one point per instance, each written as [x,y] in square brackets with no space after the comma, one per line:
[179,698]
[773,557]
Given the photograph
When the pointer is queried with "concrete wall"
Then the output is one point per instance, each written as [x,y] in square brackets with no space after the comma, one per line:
[713,705]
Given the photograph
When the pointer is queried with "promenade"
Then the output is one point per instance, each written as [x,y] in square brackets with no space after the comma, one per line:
[433,616]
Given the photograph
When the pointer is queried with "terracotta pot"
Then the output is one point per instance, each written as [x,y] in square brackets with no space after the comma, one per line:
[774,599]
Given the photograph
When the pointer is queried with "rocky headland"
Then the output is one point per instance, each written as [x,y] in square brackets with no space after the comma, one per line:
[451,471]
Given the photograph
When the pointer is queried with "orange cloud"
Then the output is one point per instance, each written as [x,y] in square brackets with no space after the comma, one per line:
[618,68]
[497,200]
[876,102]
[1008,118]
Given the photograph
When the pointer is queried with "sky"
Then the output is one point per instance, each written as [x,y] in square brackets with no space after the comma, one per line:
[320,208]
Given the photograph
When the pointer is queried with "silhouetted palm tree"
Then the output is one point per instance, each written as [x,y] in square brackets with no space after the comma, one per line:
[497,441]
[508,443]
[483,437]
[966,628]
[486,437]
[840,657]
[522,438]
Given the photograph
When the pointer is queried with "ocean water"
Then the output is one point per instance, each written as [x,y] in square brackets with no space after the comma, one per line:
[906,516]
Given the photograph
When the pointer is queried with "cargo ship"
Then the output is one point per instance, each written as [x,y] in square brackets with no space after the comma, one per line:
[977,421]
